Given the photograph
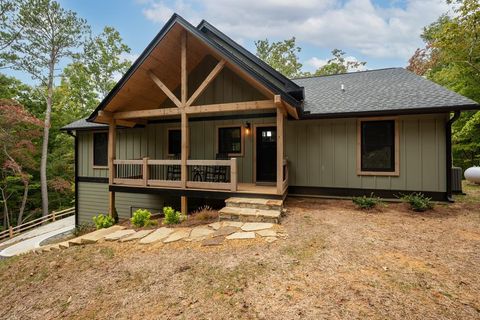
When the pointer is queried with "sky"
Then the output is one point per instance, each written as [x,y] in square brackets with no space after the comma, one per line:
[384,33]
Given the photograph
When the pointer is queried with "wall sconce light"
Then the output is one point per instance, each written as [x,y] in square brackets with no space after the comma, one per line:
[247,128]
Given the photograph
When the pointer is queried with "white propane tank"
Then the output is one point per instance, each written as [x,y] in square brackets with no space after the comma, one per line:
[473,174]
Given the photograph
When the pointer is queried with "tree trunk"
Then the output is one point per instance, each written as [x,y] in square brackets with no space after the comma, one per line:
[24,202]
[46,131]
[6,220]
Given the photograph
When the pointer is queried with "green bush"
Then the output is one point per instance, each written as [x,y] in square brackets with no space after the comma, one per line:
[366,202]
[141,218]
[103,221]
[172,216]
[418,201]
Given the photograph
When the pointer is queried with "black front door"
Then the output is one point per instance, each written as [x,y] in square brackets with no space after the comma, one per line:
[266,154]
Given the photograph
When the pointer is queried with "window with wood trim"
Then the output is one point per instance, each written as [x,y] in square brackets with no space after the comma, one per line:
[100,149]
[174,141]
[230,140]
[378,147]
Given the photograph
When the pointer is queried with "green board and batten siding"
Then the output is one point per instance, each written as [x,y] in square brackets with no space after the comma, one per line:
[323,153]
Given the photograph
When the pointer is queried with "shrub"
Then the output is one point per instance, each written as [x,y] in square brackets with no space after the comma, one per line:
[103,221]
[141,218]
[365,202]
[418,201]
[205,213]
[172,216]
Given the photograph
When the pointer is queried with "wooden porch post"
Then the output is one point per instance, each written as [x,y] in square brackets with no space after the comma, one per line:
[280,121]
[184,97]
[112,128]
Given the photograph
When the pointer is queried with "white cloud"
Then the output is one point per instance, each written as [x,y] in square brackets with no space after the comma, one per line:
[314,63]
[358,25]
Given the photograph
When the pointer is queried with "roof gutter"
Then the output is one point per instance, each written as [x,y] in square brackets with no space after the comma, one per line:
[448,136]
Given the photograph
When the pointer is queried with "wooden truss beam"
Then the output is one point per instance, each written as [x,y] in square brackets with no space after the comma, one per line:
[234,106]
[211,76]
[147,113]
[164,88]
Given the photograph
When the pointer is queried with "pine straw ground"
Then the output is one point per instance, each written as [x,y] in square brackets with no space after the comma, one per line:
[337,263]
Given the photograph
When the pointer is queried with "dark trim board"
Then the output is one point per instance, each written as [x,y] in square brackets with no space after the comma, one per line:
[205,194]
[356,192]
[93,179]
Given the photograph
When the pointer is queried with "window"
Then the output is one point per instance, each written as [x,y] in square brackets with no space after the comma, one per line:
[378,147]
[100,149]
[230,140]
[174,141]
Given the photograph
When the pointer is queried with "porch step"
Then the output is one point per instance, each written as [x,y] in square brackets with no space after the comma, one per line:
[249,214]
[255,203]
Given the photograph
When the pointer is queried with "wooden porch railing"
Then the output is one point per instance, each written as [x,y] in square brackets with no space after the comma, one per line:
[14,231]
[285,175]
[202,174]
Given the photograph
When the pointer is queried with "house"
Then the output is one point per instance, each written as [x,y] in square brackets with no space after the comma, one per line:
[199,117]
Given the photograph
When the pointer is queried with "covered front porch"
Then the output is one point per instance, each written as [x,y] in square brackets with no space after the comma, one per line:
[207,85]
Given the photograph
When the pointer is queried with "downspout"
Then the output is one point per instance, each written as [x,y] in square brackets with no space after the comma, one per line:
[76,175]
[448,134]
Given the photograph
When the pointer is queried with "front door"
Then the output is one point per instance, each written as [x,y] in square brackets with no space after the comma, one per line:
[266,154]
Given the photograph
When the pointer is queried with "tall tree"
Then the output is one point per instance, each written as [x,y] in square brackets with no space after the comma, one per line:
[9,29]
[281,55]
[451,57]
[49,34]
[18,131]
[104,59]
[339,64]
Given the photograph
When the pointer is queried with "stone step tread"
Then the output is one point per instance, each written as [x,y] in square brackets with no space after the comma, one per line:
[119,234]
[100,234]
[238,201]
[250,212]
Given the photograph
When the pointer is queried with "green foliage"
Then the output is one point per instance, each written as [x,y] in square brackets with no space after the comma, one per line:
[103,221]
[281,55]
[418,201]
[339,64]
[141,218]
[172,216]
[365,202]
[52,37]
[451,57]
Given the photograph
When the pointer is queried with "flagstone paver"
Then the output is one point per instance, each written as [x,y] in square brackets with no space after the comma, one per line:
[241,236]
[225,231]
[200,233]
[157,235]
[254,226]
[177,235]
[267,233]
[215,225]
[100,234]
[213,241]
[237,224]
[137,235]
[119,235]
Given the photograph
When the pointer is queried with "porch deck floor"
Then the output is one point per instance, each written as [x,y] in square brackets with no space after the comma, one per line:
[253,188]
[247,188]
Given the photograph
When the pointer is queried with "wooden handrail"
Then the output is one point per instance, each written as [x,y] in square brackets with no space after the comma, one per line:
[143,179]
[12,231]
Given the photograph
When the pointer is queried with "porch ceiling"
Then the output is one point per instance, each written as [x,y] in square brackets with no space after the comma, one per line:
[140,92]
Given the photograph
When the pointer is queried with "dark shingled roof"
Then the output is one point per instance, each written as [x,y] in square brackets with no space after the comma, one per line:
[83,124]
[378,91]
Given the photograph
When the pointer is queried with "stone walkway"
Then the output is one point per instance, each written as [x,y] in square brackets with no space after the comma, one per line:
[213,234]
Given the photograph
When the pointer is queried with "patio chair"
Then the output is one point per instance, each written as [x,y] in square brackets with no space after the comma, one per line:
[174,172]
[217,173]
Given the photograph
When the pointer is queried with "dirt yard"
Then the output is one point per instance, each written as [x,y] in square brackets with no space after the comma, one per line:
[337,263]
